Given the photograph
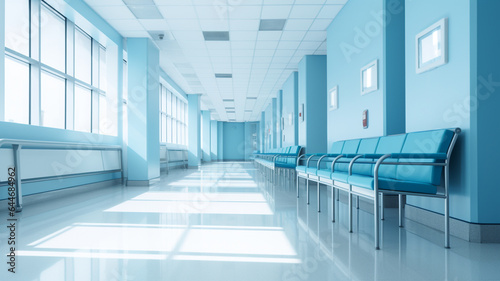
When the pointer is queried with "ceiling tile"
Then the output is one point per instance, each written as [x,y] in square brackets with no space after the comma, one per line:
[94,3]
[243,35]
[269,35]
[214,25]
[177,24]
[212,12]
[288,45]
[266,44]
[298,24]
[178,12]
[305,11]
[245,12]
[187,35]
[329,11]
[320,24]
[114,12]
[236,24]
[309,45]
[293,35]
[155,24]
[131,25]
[276,12]
[315,36]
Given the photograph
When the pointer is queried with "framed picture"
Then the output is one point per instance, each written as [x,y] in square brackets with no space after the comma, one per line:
[333,98]
[369,77]
[290,119]
[431,46]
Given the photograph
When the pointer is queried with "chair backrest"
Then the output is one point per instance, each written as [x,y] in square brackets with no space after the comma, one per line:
[389,144]
[436,141]
[350,147]
[294,150]
[337,147]
[366,146]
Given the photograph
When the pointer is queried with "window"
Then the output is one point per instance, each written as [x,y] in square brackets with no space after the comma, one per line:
[17,26]
[83,109]
[369,78]
[53,39]
[58,97]
[83,56]
[52,101]
[17,92]
[172,117]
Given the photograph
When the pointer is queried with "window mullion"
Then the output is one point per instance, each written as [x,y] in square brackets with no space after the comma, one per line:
[35,68]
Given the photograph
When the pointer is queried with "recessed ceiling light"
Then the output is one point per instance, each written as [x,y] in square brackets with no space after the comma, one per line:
[272,25]
[216,35]
[223,75]
[228,100]
[248,111]
[231,111]
[229,108]
[251,98]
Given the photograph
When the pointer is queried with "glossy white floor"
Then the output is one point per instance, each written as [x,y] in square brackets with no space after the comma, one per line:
[224,223]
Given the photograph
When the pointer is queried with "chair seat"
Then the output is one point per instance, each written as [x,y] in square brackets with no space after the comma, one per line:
[324,173]
[301,169]
[285,165]
[392,184]
[340,176]
[311,171]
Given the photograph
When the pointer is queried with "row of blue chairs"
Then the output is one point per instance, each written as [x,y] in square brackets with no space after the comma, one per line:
[407,164]
[276,160]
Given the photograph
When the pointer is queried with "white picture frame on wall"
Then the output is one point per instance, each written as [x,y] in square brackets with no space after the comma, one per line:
[333,98]
[369,77]
[431,46]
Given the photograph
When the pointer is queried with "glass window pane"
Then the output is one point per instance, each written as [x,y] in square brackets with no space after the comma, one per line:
[174,106]
[103,80]
[169,130]
[163,99]
[83,56]
[169,103]
[103,114]
[17,91]
[83,109]
[17,26]
[174,131]
[163,128]
[52,101]
[53,39]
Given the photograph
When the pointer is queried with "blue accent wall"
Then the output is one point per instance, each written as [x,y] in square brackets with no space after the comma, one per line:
[439,98]
[206,137]
[312,94]
[213,141]
[486,85]
[234,141]
[349,48]
[279,115]
[290,110]
[194,128]
[143,122]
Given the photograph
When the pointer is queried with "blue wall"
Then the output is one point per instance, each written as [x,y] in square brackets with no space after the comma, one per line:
[312,93]
[290,109]
[206,136]
[279,115]
[213,142]
[439,98]
[234,141]
[485,86]
[349,48]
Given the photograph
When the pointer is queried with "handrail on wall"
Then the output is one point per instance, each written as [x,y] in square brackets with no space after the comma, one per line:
[18,144]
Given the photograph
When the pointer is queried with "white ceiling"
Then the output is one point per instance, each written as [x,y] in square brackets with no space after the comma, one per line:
[260,61]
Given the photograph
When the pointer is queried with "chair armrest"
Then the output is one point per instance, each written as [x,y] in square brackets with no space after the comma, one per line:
[436,156]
